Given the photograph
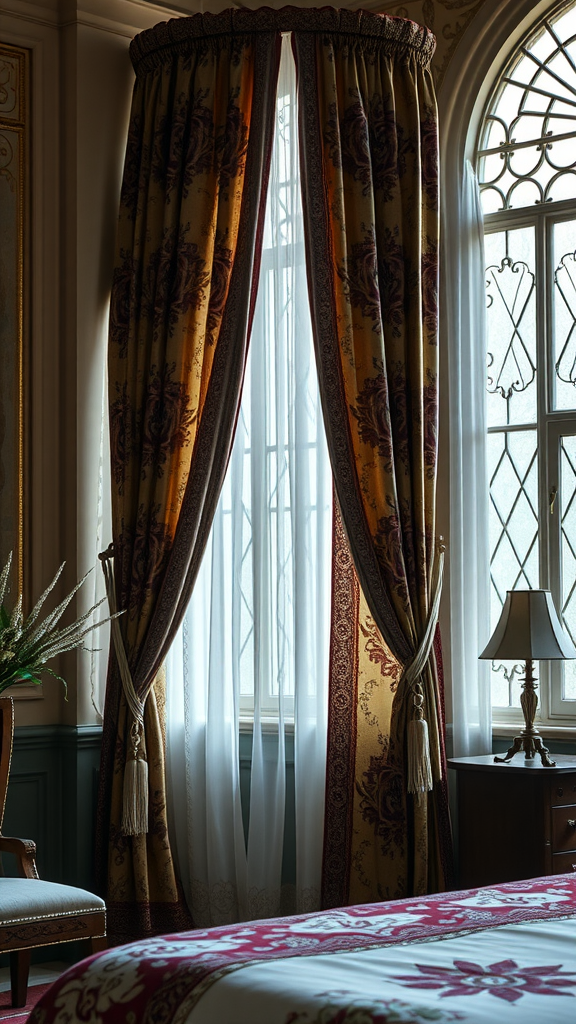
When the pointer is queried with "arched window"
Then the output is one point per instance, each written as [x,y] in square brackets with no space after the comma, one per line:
[526,167]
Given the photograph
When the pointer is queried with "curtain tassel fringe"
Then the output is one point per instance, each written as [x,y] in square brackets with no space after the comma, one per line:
[419,766]
[135,794]
[135,797]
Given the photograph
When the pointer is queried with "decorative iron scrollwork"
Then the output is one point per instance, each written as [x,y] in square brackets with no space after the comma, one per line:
[514,368]
[565,282]
[527,152]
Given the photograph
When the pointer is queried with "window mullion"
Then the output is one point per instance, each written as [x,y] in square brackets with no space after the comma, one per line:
[544,281]
[503,219]
[544,384]
[561,423]
[557,430]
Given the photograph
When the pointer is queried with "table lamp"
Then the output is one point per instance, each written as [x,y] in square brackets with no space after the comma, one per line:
[529,630]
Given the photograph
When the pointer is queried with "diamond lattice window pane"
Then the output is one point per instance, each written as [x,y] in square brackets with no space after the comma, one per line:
[526,157]
[564,257]
[505,684]
[514,510]
[513,526]
[511,327]
[569,680]
[500,691]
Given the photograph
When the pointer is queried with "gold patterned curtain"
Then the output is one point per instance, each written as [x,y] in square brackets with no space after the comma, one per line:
[191,216]
[369,170]
[187,260]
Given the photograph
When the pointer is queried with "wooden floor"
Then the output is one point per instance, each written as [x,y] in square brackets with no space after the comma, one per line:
[40,974]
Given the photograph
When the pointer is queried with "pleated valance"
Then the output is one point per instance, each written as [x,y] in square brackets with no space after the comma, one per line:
[397,36]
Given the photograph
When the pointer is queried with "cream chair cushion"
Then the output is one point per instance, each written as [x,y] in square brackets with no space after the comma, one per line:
[32,899]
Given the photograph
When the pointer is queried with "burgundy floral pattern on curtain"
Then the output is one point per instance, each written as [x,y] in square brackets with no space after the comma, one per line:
[191,216]
[369,169]
[183,294]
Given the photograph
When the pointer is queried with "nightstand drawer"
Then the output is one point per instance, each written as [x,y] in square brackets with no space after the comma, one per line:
[563,862]
[513,818]
[564,828]
[563,791]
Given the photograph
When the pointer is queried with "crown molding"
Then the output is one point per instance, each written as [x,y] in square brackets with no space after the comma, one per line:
[122,17]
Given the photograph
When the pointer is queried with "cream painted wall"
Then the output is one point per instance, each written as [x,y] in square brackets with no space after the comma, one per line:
[82,82]
[34,29]
[81,89]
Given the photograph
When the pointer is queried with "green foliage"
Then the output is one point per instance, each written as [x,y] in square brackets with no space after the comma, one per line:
[27,644]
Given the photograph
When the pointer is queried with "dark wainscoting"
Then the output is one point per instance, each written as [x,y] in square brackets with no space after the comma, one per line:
[52,795]
[270,746]
[52,799]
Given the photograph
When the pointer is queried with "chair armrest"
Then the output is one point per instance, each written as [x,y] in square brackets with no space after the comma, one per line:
[25,851]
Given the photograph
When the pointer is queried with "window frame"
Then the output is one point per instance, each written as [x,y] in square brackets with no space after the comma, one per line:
[284,250]
[551,424]
[464,86]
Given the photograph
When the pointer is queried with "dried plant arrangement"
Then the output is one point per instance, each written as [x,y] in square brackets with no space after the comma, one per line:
[27,644]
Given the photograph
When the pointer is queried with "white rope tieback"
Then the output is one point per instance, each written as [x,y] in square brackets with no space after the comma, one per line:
[420,779]
[135,795]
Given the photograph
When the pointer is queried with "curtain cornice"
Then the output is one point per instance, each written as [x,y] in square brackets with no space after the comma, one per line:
[402,38]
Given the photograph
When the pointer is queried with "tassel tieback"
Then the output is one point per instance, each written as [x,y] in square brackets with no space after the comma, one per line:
[420,780]
[419,765]
[135,795]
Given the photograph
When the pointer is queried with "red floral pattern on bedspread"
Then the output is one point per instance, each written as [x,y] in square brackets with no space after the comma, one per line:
[170,973]
[504,980]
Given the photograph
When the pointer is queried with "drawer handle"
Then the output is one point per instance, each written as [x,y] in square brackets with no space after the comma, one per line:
[571,823]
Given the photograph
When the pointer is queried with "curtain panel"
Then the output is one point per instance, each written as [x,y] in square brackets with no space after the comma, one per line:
[255,637]
[370,176]
[183,293]
[190,217]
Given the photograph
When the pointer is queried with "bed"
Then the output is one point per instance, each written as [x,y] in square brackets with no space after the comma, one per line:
[498,954]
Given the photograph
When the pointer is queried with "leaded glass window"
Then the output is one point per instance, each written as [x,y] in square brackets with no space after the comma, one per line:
[527,150]
[526,165]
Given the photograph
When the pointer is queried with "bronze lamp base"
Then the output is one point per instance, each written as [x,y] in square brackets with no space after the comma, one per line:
[529,740]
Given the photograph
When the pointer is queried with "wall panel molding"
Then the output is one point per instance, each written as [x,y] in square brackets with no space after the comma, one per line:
[52,798]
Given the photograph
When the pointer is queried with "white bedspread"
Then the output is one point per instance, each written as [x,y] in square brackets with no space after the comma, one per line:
[502,954]
[518,973]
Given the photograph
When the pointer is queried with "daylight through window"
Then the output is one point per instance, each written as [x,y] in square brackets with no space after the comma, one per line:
[526,164]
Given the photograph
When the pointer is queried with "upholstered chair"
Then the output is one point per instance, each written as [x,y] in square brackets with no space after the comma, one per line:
[33,912]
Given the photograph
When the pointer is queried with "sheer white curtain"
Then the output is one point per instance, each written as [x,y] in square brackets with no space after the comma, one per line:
[254,643]
[94,518]
[469,547]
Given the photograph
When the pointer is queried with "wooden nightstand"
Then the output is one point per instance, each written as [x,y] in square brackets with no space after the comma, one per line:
[515,820]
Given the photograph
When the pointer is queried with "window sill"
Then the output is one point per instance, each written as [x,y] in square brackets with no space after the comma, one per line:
[504,730]
[552,732]
[269,724]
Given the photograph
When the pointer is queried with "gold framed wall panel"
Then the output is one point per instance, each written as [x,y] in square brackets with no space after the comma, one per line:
[14,74]
[14,203]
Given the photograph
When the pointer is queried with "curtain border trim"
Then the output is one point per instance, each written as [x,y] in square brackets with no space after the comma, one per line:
[342,718]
